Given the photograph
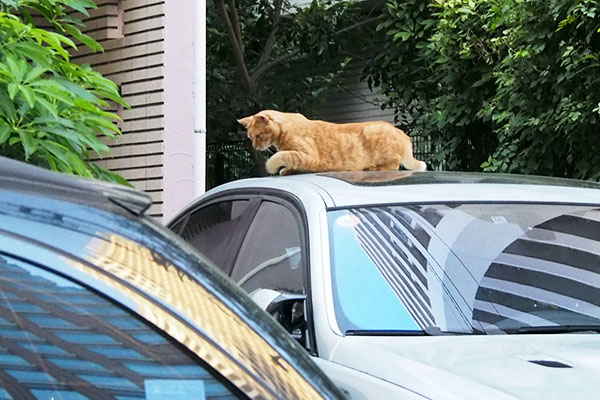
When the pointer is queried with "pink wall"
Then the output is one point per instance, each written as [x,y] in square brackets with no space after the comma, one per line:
[178,161]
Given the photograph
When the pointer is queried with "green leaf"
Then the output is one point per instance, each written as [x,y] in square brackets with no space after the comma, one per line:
[103,122]
[13,89]
[7,106]
[54,120]
[54,40]
[60,152]
[49,88]
[34,74]
[68,134]
[80,167]
[484,79]
[4,133]
[464,10]
[108,175]
[37,53]
[29,95]
[13,67]
[81,4]
[29,145]
[71,20]
[48,106]
[83,38]
[98,146]
[405,35]
[75,89]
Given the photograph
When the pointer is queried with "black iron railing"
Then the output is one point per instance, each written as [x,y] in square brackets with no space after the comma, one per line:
[230,161]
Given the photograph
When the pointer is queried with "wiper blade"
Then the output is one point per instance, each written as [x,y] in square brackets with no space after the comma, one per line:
[363,332]
[555,329]
[428,331]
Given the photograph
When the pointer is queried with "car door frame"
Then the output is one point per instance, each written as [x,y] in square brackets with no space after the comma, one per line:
[291,203]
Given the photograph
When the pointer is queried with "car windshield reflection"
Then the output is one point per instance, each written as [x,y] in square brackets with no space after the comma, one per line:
[466,268]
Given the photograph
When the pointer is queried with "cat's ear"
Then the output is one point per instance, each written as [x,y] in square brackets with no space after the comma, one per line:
[245,121]
[263,119]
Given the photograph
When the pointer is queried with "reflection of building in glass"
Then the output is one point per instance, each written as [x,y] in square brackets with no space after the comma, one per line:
[539,272]
[550,276]
[60,340]
[397,243]
[225,342]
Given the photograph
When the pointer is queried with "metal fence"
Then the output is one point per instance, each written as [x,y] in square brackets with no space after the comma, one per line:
[226,162]
[230,161]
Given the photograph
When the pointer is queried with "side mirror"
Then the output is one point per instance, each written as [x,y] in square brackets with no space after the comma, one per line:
[287,308]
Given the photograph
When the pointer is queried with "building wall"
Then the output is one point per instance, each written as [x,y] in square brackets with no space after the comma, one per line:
[357,103]
[132,34]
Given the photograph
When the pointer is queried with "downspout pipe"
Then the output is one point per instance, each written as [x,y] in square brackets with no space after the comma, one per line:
[200,98]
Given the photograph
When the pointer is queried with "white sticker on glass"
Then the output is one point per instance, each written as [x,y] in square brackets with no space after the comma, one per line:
[174,389]
[348,221]
[499,220]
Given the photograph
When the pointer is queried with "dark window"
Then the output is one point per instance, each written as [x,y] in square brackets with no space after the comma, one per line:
[217,230]
[60,340]
[270,256]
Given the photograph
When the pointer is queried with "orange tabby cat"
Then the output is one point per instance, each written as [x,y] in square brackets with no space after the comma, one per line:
[315,146]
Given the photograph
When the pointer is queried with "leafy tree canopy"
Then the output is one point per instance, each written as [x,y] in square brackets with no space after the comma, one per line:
[503,85]
[277,54]
[52,110]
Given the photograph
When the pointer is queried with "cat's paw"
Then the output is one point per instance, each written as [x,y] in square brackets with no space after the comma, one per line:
[423,166]
[286,171]
[273,165]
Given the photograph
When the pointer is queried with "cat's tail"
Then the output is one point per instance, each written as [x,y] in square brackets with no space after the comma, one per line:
[410,162]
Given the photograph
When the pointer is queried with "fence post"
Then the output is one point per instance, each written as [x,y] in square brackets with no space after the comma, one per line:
[219,167]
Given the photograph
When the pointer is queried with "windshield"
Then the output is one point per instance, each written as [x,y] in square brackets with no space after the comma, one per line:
[466,268]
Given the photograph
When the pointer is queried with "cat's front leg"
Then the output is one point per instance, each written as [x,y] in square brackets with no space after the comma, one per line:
[293,161]
[275,163]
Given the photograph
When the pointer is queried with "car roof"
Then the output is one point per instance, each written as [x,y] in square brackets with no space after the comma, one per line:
[344,189]
[16,176]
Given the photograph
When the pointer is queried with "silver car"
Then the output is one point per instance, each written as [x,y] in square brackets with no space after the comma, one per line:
[420,284]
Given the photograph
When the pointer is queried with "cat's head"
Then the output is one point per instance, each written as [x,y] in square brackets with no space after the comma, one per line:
[263,130]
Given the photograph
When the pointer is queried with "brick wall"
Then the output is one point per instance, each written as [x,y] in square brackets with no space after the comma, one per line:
[132,34]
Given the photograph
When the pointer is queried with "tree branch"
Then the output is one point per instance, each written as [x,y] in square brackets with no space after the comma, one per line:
[357,25]
[236,24]
[263,66]
[266,53]
[259,71]
[237,46]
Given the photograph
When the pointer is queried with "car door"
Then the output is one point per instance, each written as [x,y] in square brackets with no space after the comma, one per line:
[259,241]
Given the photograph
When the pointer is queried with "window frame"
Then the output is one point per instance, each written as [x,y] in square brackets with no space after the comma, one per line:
[253,205]
[292,204]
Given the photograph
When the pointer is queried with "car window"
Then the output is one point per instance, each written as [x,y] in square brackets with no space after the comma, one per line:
[217,230]
[60,340]
[483,268]
[271,256]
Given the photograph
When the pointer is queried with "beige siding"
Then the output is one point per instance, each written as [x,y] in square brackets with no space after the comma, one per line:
[131,32]
[357,103]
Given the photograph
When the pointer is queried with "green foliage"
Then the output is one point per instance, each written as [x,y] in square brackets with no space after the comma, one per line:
[503,85]
[52,110]
[302,63]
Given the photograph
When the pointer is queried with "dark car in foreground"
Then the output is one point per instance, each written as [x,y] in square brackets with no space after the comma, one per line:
[434,285]
[98,301]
